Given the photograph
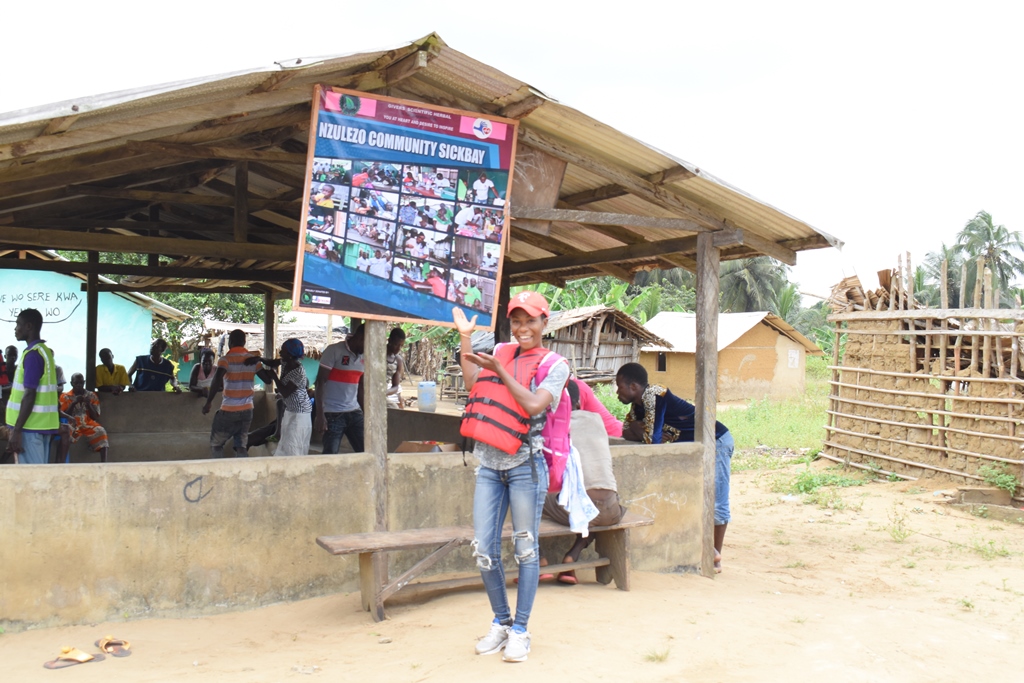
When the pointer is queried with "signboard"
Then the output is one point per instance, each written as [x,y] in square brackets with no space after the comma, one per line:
[407,212]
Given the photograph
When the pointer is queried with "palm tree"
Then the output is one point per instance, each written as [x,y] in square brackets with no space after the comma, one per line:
[751,284]
[933,271]
[787,303]
[1000,247]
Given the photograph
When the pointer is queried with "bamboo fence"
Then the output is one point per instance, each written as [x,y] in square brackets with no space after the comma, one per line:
[926,392]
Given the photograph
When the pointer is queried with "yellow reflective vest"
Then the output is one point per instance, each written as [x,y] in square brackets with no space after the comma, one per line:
[45,411]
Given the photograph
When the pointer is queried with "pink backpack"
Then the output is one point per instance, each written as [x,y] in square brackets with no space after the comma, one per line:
[556,429]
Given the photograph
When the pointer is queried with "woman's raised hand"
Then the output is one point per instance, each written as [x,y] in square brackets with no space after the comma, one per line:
[465,327]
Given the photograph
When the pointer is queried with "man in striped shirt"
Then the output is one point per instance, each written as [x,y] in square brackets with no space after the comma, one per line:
[235,377]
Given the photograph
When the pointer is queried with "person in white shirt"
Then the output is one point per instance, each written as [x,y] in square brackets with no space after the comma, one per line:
[363,263]
[469,216]
[398,274]
[483,187]
[490,262]
[380,265]
[442,183]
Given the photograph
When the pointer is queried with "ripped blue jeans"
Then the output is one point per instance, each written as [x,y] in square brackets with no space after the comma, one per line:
[496,492]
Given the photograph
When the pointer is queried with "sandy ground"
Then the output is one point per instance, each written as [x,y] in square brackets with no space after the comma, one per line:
[808,593]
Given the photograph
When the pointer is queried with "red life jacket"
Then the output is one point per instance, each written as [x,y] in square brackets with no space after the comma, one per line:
[494,417]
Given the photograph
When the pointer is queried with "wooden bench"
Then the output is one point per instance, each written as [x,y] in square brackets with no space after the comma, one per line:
[611,544]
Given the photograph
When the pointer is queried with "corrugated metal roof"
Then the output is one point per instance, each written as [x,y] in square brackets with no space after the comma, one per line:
[45,149]
[680,329]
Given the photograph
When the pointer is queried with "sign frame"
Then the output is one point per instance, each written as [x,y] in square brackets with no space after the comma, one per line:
[360,225]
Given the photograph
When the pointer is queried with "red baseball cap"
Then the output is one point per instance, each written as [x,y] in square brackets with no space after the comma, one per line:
[531,302]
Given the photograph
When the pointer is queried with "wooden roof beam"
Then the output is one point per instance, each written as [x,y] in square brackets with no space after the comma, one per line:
[611,191]
[635,184]
[558,247]
[615,255]
[602,218]
[213,152]
[60,124]
[65,239]
[176,197]
[151,125]
[736,237]
[178,289]
[162,226]
[180,272]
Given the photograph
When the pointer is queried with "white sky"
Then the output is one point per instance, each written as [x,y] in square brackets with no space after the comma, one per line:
[887,124]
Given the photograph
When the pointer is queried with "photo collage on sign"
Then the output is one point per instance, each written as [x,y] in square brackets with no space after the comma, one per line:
[434,229]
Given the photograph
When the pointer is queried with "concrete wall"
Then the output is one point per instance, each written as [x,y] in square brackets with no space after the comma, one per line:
[760,363]
[88,542]
[149,426]
[124,327]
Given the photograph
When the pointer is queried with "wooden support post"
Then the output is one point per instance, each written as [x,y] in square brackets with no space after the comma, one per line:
[242,201]
[153,260]
[707,387]
[963,285]
[375,432]
[269,326]
[330,329]
[910,284]
[978,287]
[835,389]
[990,325]
[945,324]
[92,300]
[502,333]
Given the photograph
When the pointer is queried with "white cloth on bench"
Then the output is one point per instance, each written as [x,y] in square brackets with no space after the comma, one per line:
[573,496]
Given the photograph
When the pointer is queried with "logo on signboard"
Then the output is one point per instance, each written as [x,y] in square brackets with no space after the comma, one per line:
[349,105]
[482,128]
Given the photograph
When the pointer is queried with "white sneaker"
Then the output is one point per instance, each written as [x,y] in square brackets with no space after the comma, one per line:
[518,646]
[494,641]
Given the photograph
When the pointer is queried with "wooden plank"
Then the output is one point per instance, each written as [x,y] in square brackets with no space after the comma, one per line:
[59,125]
[269,326]
[190,273]
[417,569]
[369,587]
[407,66]
[706,387]
[144,226]
[92,300]
[177,289]
[152,125]
[934,313]
[610,171]
[611,191]
[64,239]
[613,545]
[214,152]
[617,255]
[241,203]
[472,580]
[177,197]
[412,539]
[603,218]
[375,434]
[558,247]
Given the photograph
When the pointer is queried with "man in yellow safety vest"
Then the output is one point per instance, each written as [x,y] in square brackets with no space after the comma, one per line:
[32,410]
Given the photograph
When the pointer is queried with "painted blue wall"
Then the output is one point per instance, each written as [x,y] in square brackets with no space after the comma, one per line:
[124,327]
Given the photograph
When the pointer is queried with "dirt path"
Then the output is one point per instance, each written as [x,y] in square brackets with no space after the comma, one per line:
[807,594]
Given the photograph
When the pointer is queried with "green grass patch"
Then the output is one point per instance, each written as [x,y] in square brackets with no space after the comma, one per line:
[808,481]
[797,422]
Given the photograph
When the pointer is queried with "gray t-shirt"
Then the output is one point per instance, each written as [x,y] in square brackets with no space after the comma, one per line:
[497,459]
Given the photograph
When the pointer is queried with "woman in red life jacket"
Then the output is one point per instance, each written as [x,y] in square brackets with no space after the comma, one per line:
[505,415]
